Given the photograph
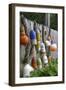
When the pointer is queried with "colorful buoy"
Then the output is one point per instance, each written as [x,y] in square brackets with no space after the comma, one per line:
[53,47]
[24,40]
[27,70]
[45,59]
[39,63]
[43,50]
[38,46]
[48,43]
[42,45]
[32,35]
[33,51]
[34,63]
[34,42]
[38,35]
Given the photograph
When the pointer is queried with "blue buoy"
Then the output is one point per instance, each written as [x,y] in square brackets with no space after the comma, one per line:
[32,35]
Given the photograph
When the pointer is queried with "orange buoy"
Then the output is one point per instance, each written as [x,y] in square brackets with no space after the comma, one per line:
[53,47]
[24,40]
[33,63]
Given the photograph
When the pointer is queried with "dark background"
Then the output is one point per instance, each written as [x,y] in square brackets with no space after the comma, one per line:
[40,18]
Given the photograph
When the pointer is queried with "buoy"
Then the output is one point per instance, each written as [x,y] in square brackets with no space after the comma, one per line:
[27,70]
[53,47]
[39,63]
[38,35]
[42,45]
[34,42]
[45,59]
[33,51]
[32,35]
[48,43]
[22,28]
[34,63]
[38,46]
[49,59]
[24,40]
[43,50]
[49,38]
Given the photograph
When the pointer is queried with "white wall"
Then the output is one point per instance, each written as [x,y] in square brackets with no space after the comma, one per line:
[4,45]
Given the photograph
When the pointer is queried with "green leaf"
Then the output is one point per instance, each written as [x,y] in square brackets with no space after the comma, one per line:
[50,70]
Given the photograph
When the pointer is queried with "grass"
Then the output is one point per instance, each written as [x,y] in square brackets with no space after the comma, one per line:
[50,70]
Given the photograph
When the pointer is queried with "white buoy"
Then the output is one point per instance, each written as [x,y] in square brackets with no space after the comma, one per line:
[48,43]
[27,70]
[39,63]
[45,59]
[34,42]
[43,47]
[43,50]
[53,47]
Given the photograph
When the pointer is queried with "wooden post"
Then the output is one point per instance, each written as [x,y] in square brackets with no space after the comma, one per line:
[47,19]
[47,22]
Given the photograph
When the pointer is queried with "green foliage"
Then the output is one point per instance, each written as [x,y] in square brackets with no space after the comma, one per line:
[40,18]
[50,70]
[54,21]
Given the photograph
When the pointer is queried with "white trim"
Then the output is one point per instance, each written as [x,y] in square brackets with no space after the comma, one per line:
[19,80]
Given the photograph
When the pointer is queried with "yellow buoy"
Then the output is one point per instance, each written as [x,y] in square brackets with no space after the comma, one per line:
[38,35]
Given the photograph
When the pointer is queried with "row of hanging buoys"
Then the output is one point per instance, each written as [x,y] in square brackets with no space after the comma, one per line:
[37,46]
[36,38]
[51,46]
[40,48]
[24,39]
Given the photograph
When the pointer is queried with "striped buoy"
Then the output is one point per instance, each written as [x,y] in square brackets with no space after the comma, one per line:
[43,50]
